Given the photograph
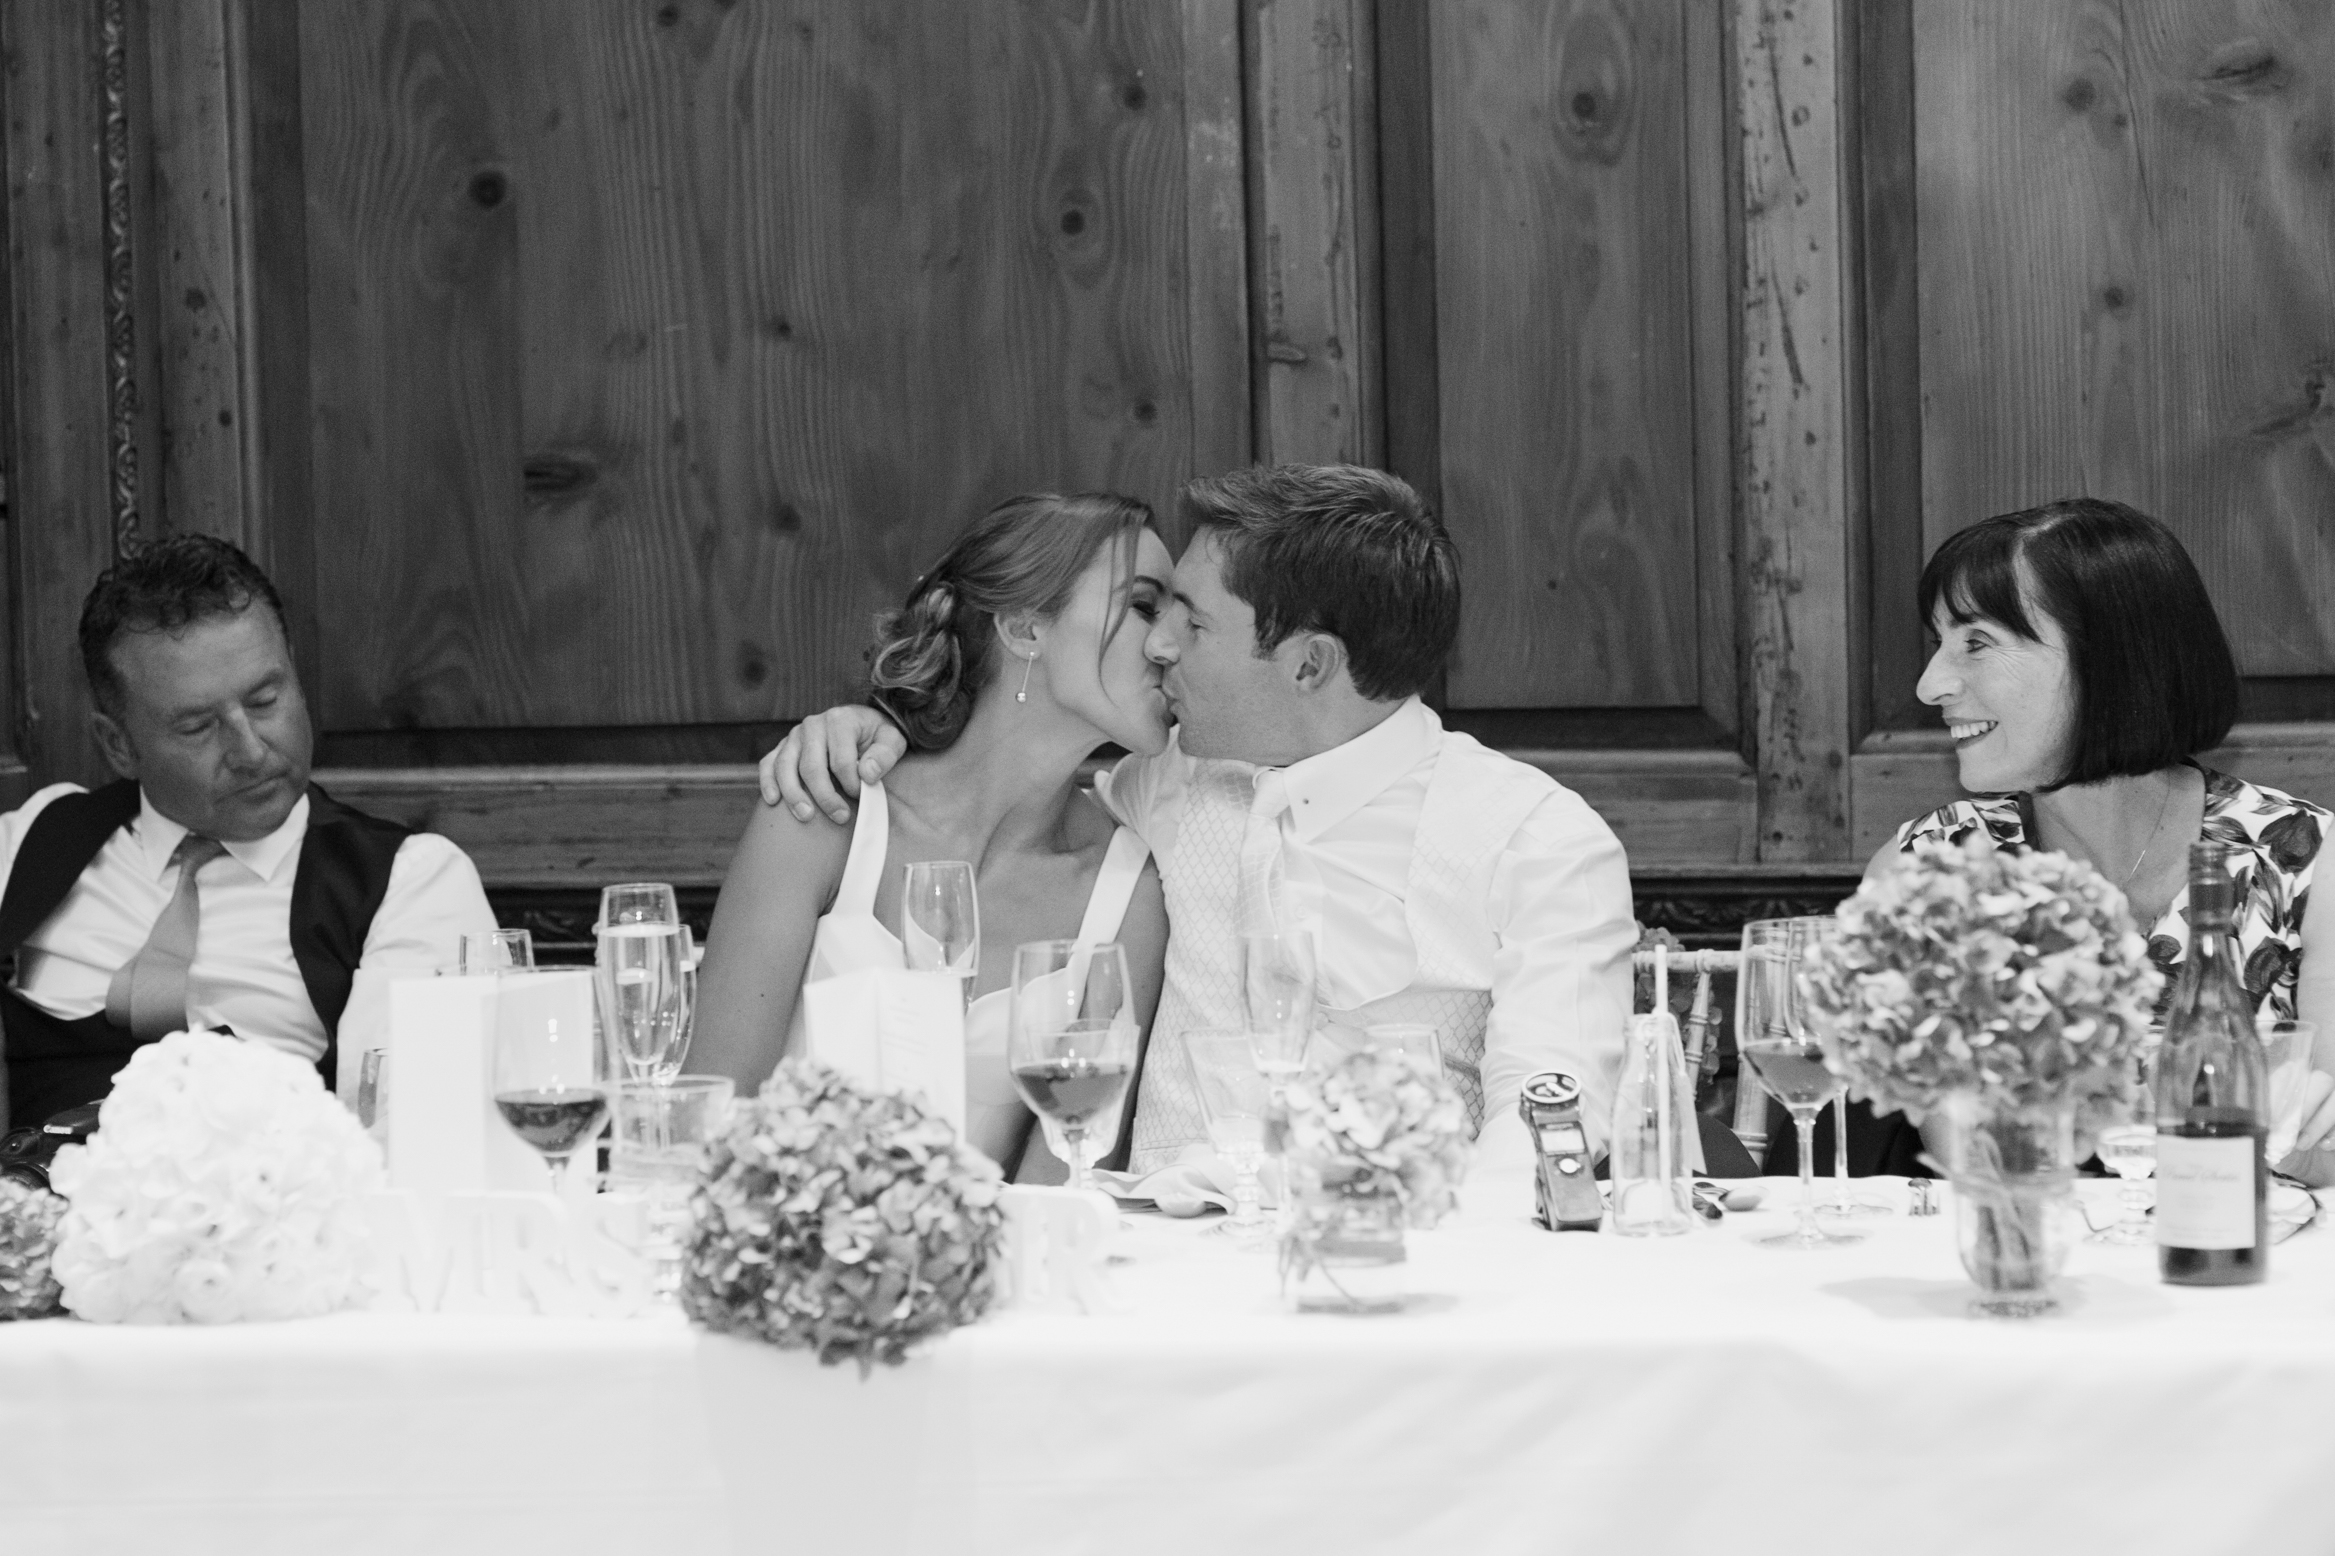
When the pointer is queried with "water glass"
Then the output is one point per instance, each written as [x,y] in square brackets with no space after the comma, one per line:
[495,951]
[1237,1105]
[662,1133]
[637,978]
[638,902]
[1070,1040]
[940,919]
[373,1094]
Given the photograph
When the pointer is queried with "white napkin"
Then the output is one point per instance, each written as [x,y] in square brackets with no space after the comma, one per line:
[1191,1183]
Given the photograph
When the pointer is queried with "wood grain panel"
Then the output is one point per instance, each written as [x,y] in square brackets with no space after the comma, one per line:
[413,270]
[1045,319]
[1313,244]
[200,127]
[1564,309]
[59,531]
[735,315]
[2128,284]
[1798,459]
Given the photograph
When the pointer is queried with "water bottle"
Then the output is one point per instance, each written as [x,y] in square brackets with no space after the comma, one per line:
[1651,1168]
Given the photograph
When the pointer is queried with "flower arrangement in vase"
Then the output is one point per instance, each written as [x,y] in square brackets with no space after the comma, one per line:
[1376,1142]
[2002,993]
[841,1221]
[224,1183]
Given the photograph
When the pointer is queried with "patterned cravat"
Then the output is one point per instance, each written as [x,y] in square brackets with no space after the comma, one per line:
[148,995]
[1261,868]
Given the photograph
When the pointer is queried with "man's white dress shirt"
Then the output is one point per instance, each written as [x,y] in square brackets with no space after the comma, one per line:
[243,975]
[1519,901]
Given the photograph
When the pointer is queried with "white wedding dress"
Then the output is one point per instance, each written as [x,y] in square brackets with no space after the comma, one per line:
[849,937]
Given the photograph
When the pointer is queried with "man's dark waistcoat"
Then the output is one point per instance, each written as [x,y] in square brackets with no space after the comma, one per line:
[343,874]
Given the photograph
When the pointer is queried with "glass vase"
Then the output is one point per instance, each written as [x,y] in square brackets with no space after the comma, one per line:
[2013,1168]
[1343,1252]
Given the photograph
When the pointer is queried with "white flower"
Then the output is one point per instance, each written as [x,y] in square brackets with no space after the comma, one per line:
[224,1183]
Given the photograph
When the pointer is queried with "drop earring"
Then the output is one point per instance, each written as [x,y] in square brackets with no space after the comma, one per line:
[1024,694]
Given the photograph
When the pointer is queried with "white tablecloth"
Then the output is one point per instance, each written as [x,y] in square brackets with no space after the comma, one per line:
[1557,1392]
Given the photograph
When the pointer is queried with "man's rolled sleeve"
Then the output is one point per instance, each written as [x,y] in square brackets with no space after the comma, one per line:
[1562,915]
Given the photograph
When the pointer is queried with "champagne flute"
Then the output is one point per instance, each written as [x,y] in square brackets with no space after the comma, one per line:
[1237,1104]
[495,951]
[940,920]
[1775,1042]
[1802,934]
[637,977]
[548,1081]
[1070,1039]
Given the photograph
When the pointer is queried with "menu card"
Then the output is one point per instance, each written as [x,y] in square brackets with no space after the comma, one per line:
[893,1030]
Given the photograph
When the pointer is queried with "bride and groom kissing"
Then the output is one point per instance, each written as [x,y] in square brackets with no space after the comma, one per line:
[1282,770]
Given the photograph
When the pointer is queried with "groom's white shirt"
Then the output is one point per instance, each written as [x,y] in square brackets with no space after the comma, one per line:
[1541,922]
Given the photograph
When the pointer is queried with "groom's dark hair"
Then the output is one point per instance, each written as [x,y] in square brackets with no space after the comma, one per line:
[1343,550]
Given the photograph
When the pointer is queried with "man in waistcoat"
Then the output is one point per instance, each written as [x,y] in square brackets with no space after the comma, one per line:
[213,885]
[1442,882]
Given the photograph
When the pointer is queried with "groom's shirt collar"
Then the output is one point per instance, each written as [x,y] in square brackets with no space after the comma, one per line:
[1333,785]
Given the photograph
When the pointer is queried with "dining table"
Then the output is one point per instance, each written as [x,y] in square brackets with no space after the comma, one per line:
[1536,1391]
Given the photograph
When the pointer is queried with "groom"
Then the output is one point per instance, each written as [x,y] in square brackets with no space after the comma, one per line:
[1442,882]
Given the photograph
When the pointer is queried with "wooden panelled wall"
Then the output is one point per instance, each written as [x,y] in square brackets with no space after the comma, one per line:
[589,372]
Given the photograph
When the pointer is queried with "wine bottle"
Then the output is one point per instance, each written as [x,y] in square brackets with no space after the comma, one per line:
[2212,1095]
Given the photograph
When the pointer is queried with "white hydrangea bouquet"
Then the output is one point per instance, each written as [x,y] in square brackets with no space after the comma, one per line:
[224,1183]
[1381,1121]
[2012,979]
[845,1222]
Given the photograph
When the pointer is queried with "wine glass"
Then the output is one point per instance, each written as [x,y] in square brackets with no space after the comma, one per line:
[1278,981]
[1800,934]
[548,1081]
[1775,1042]
[495,951]
[940,920]
[1070,1038]
[637,976]
[1237,1103]
[638,902]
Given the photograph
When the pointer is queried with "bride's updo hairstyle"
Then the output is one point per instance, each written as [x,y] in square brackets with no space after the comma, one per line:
[935,653]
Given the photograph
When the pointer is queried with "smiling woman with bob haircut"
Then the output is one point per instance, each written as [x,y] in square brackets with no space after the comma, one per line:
[2081,671]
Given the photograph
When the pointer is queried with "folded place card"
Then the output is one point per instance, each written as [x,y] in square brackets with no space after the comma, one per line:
[445,1136]
[893,1030]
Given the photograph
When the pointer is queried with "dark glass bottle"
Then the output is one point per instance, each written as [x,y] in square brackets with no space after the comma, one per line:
[2212,1096]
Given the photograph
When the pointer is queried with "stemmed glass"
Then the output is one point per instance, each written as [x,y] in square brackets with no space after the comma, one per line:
[940,920]
[1237,1104]
[1775,1041]
[2128,1147]
[1070,1039]
[548,1081]
[1799,935]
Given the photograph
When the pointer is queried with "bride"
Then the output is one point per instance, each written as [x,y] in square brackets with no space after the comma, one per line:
[1012,660]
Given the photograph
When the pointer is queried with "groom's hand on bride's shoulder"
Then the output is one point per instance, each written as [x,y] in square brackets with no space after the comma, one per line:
[827,757]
